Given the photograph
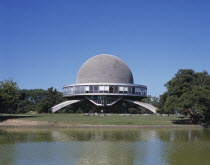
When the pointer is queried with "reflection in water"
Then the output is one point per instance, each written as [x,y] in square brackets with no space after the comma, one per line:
[104,146]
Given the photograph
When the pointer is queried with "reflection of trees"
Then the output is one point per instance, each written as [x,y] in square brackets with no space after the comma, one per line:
[106,146]
[104,152]
[184,135]
[7,154]
[192,153]
[110,146]
[81,146]
[12,136]
[126,135]
[186,146]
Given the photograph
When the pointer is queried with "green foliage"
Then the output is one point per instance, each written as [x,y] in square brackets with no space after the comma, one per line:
[187,93]
[196,102]
[79,110]
[25,106]
[14,100]
[32,95]
[132,110]
[162,101]
[9,95]
[170,105]
[136,110]
[29,99]
[52,98]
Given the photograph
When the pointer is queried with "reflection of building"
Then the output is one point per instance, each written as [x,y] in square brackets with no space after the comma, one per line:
[104,80]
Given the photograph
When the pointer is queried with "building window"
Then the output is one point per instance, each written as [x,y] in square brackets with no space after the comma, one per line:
[137,90]
[76,89]
[125,89]
[82,89]
[87,89]
[133,90]
[65,90]
[101,89]
[95,88]
[106,89]
[111,89]
[91,89]
[130,90]
[120,89]
[115,89]
[73,90]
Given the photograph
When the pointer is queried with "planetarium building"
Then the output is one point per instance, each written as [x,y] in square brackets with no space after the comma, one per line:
[104,80]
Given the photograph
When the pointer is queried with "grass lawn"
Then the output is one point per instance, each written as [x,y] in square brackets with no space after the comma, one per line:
[114,119]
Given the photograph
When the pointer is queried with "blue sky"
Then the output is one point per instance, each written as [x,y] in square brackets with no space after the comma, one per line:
[43,43]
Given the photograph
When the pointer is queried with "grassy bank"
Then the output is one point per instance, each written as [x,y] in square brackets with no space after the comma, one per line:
[114,119]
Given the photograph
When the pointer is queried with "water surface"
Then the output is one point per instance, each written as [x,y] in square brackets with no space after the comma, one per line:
[145,146]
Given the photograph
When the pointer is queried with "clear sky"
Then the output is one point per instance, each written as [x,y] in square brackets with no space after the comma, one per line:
[43,43]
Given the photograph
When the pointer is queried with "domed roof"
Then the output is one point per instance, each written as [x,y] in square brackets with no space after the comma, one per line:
[104,69]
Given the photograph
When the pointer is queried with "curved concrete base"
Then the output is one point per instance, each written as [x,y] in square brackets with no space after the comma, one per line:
[61,105]
[69,102]
[150,107]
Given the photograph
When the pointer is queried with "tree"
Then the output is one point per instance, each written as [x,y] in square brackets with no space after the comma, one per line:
[52,98]
[14,100]
[196,103]
[161,108]
[9,95]
[29,99]
[171,104]
[188,93]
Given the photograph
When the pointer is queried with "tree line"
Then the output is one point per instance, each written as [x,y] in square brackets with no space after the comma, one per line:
[188,93]
[16,100]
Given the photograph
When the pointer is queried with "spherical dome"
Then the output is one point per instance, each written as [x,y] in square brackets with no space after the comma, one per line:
[104,69]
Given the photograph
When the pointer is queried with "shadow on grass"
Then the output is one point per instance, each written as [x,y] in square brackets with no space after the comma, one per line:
[182,121]
[6,117]
[189,122]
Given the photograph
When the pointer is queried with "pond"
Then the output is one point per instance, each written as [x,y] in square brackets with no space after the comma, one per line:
[144,146]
